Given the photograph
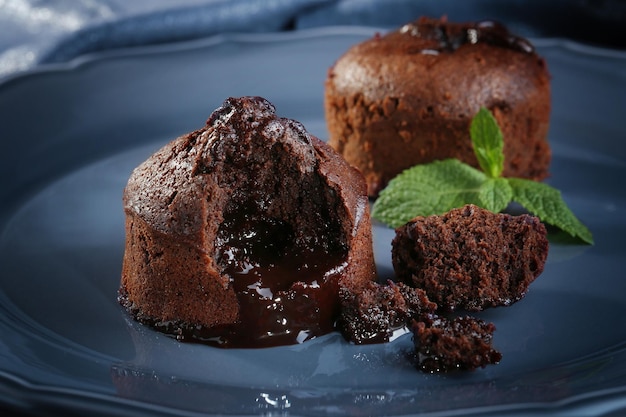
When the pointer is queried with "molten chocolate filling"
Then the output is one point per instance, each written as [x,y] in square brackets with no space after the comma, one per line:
[286,287]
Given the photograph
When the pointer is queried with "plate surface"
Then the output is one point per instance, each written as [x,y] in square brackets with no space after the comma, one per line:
[71,136]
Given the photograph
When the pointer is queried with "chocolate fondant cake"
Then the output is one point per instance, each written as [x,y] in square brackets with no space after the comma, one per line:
[408,97]
[470,258]
[241,232]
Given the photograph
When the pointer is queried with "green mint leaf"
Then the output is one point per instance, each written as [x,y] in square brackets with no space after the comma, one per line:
[433,188]
[495,194]
[546,203]
[488,143]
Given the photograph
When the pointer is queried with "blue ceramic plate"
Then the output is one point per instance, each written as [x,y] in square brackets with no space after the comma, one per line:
[71,135]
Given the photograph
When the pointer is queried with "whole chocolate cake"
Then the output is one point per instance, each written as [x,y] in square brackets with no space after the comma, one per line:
[470,258]
[408,97]
[241,233]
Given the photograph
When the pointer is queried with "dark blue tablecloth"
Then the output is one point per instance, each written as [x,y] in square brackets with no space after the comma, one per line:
[34,32]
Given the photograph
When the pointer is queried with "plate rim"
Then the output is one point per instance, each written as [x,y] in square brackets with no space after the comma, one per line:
[270,37]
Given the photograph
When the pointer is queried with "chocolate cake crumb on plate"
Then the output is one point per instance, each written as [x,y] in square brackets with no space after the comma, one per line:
[371,313]
[462,343]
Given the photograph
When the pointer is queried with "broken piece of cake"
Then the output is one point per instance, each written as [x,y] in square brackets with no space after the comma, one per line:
[462,343]
[470,258]
[372,312]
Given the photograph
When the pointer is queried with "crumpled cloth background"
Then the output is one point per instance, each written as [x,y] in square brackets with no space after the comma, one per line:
[36,32]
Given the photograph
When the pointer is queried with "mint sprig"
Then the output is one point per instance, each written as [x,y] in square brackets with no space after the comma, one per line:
[488,143]
[440,186]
